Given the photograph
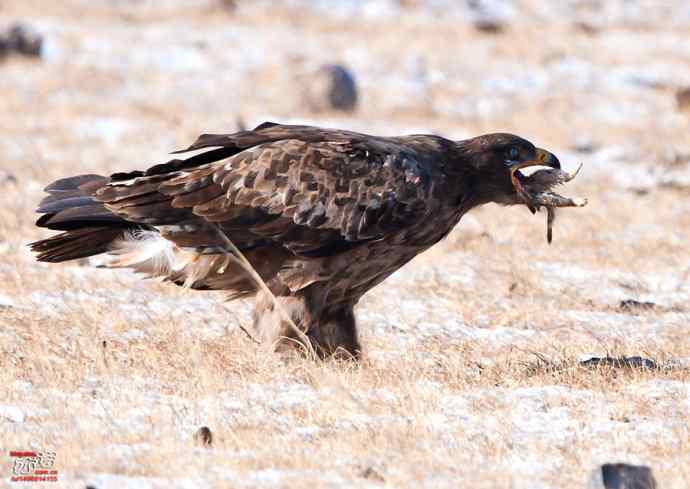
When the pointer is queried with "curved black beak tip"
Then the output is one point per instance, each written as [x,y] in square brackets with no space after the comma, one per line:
[552,161]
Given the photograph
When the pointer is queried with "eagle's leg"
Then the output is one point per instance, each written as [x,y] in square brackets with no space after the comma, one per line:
[335,333]
[331,331]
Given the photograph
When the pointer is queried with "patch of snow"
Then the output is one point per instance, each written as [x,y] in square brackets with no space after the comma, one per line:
[308,432]
[679,363]
[6,302]
[359,422]
[124,453]
[133,335]
[113,481]
[293,395]
[234,405]
[21,386]
[268,477]
[528,82]
[456,406]
[109,130]
[607,324]
[498,335]
[12,413]
[649,75]
[664,289]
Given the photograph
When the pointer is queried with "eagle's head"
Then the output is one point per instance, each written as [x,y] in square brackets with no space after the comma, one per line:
[495,162]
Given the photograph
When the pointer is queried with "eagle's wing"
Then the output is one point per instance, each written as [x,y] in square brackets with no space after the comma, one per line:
[313,191]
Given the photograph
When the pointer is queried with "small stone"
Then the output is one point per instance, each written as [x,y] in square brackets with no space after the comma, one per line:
[203,436]
[623,476]
[489,25]
[488,17]
[22,40]
[588,27]
[332,87]
[229,6]
[372,474]
[621,362]
[683,99]
[6,177]
[632,305]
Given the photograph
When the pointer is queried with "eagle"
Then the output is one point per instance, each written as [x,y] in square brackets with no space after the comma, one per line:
[305,219]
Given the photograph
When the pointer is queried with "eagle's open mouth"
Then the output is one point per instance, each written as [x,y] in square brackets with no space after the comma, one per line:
[535,190]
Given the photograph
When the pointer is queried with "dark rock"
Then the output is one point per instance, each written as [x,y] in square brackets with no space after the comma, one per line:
[22,40]
[6,177]
[621,362]
[632,305]
[624,476]
[489,25]
[372,474]
[229,6]
[587,27]
[683,99]
[486,17]
[203,436]
[332,87]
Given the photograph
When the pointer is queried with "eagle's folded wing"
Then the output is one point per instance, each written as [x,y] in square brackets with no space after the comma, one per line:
[315,192]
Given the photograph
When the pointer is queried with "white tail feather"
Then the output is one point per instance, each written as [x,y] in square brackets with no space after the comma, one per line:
[146,251]
[150,253]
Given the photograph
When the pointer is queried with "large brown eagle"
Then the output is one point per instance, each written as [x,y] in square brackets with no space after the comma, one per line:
[322,215]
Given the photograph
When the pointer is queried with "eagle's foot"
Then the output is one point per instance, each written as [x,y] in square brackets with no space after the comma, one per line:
[328,333]
[335,335]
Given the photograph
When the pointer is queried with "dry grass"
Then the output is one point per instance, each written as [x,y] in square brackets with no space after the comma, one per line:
[471,367]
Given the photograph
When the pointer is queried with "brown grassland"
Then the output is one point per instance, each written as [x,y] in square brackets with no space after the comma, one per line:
[471,375]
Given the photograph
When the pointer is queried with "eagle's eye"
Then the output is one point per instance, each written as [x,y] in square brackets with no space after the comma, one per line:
[513,153]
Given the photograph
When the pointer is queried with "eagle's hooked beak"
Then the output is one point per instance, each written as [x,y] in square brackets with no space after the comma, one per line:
[542,158]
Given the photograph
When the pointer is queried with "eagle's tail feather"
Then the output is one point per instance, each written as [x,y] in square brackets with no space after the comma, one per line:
[90,228]
[76,243]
